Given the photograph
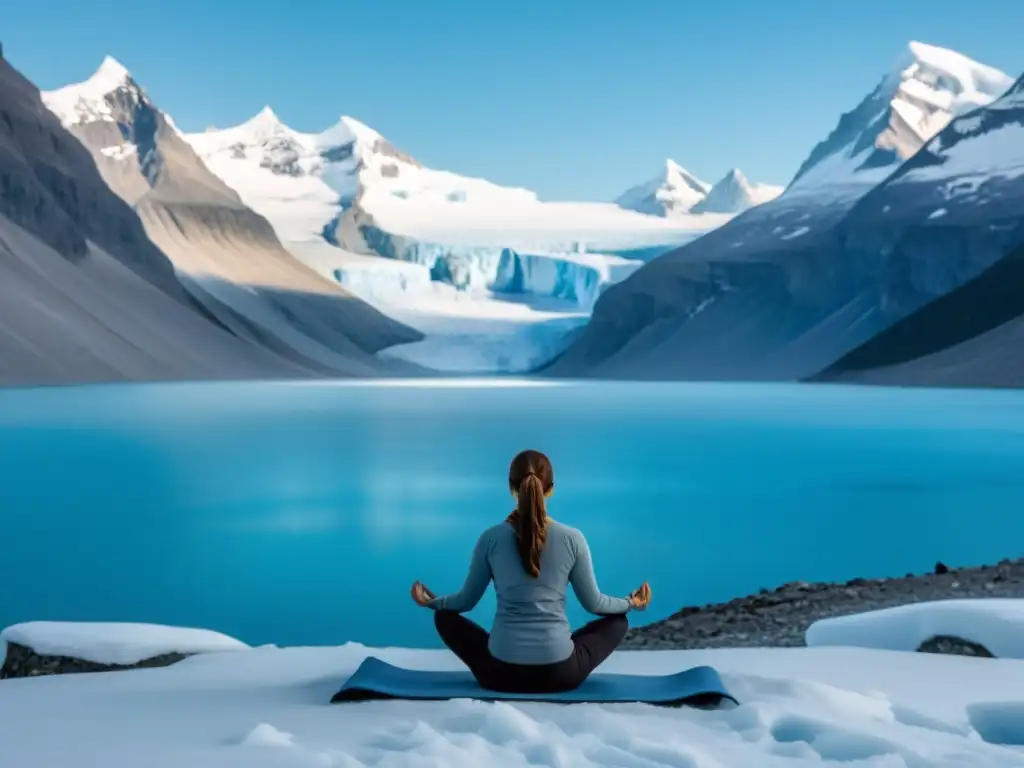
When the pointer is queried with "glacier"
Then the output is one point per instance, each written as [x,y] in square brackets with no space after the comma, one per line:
[455,256]
[577,276]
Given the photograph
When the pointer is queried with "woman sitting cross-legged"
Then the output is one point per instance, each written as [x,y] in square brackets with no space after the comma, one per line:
[532,560]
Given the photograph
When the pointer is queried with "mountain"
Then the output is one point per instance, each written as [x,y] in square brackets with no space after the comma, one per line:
[305,181]
[351,187]
[917,99]
[969,183]
[674,190]
[84,295]
[788,287]
[734,194]
[227,256]
[971,336]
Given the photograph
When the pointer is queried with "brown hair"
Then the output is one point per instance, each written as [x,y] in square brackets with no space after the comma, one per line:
[530,478]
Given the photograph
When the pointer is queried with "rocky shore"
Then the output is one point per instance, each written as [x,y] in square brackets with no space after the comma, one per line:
[22,661]
[781,616]
[770,618]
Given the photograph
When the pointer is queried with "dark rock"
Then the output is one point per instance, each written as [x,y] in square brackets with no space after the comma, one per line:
[22,661]
[954,645]
[941,568]
[780,617]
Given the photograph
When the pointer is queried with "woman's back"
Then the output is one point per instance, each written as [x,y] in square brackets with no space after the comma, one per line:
[530,626]
[532,560]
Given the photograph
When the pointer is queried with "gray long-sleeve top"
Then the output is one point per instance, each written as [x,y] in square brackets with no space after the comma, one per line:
[530,626]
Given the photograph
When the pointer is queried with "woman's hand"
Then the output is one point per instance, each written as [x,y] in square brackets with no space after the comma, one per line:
[641,598]
[420,594]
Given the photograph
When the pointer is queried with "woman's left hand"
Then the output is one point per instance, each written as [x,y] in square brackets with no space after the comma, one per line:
[421,594]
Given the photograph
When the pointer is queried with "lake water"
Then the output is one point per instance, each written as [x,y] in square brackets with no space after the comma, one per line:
[301,513]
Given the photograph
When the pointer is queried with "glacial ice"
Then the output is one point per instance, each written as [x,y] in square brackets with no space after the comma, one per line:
[577,276]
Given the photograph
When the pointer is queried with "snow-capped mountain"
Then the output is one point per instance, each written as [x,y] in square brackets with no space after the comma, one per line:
[302,181]
[926,89]
[789,286]
[433,248]
[955,279]
[85,296]
[675,190]
[227,256]
[350,186]
[735,194]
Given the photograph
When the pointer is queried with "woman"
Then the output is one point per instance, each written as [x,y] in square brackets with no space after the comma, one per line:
[531,559]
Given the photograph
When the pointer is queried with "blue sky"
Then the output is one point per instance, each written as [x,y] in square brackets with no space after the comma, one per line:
[575,99]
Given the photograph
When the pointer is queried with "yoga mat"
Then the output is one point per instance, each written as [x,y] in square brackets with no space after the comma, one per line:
[376,679]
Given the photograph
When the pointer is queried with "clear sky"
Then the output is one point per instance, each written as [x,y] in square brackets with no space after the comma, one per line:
[576,99]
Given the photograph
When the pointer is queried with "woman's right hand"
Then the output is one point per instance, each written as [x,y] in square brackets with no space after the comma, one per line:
[641,598]
[421,595]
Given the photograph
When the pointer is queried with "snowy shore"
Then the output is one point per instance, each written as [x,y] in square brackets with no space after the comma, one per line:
[233,706]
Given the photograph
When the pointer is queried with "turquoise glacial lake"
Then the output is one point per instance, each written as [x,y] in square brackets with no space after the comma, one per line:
[300,513]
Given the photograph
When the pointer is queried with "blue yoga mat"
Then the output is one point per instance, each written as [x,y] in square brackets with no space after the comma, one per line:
[375,679]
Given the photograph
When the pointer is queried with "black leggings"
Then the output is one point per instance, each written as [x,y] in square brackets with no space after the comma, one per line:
[592,644]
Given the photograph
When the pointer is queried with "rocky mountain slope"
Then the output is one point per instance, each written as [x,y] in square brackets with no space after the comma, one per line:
[84,295]
[228,256]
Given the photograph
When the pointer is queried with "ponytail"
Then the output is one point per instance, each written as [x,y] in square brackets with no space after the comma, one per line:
[531,523]
[530,479]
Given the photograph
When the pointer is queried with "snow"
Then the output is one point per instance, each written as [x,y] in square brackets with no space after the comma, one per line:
[673,191]
[113,643]
[996,623]
[976,83]
[379,206]
[928,87]
[120,151]
[86,101]
[798,232]
[267,706]
[938,213]
[996,153]
[734,193]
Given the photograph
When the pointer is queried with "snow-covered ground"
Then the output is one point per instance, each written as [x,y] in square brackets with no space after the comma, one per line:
[996,623]
[426,246]
[266,706]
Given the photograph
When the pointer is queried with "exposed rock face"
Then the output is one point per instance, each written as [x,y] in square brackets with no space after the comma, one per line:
[49,185]
[22,661]
[965,338]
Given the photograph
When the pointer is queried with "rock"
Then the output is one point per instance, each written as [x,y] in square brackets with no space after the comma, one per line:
[941,568]
[954,645]
[22,661]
